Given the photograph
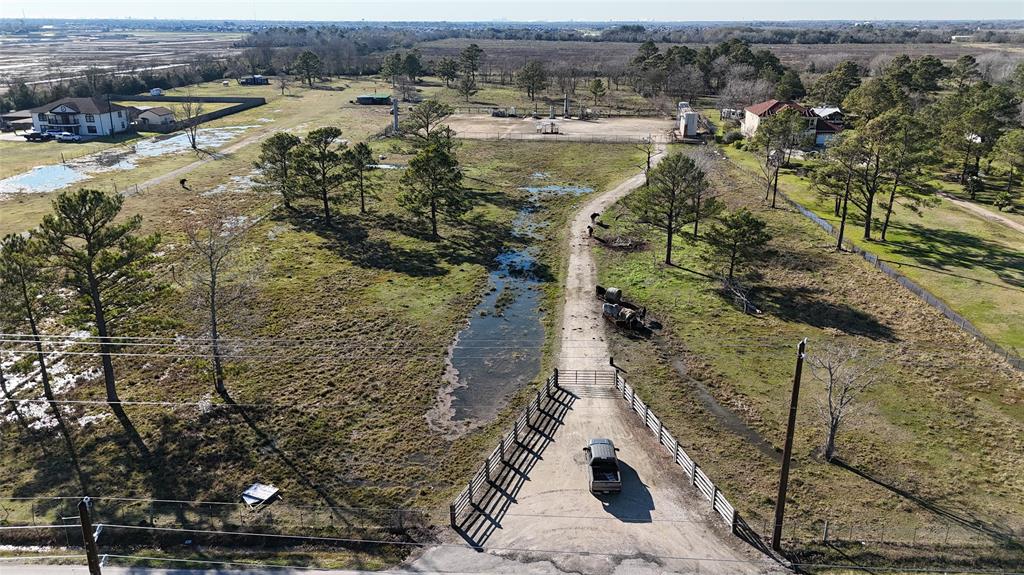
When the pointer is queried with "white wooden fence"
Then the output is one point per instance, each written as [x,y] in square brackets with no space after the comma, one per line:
[698,479]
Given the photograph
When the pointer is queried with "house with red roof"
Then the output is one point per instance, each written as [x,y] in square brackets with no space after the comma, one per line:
[819,127]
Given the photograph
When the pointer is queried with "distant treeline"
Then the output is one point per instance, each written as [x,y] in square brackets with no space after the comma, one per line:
[404,34]
[394,36]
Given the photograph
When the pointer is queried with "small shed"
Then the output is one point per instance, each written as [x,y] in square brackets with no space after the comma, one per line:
[156,92]
[374,99]
[157,116]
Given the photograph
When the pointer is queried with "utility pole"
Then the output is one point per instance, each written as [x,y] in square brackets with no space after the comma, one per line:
[787,453]
[90,543]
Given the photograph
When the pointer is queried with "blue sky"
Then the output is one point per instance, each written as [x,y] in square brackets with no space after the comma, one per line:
[463,10]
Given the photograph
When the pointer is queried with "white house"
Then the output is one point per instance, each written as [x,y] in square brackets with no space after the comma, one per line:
[158,116]
[82,116]
[817,127]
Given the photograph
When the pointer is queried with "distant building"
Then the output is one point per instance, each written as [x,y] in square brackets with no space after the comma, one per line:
[156,92]
[16,120]
[374,99]
[966,38]
[254,80]
[82,116]
[158,116]
[821,129]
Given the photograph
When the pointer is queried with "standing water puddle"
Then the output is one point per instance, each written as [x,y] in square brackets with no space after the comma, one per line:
[53,177]
[499,350]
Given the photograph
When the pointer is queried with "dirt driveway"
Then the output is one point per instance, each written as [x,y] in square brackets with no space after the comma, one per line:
[656,525]
[482,126]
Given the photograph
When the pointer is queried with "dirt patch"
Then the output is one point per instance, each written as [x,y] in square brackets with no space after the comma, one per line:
[485,126]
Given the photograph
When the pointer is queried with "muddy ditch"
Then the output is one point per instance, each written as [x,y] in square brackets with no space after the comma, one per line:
[499,351]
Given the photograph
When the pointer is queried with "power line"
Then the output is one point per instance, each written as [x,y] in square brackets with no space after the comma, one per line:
[525,550]
[891,569]
[38,557]
[507,549]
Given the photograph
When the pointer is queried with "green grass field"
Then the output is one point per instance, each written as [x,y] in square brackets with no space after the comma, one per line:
[974,265]
[936,444]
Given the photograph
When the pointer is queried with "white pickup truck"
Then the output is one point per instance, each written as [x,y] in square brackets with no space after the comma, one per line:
[604,466]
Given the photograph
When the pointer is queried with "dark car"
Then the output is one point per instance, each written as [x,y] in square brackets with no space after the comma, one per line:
[38,136]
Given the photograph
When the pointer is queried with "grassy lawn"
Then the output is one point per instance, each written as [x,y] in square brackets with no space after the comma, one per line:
[340,425]
[300,112]
[940,434]
[974,265]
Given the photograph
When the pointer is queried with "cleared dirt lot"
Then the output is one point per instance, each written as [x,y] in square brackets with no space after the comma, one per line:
[482,126]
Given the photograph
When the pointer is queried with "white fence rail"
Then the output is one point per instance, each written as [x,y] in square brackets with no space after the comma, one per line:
[698,479]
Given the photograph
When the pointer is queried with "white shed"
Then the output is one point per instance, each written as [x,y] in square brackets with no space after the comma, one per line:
[157,116]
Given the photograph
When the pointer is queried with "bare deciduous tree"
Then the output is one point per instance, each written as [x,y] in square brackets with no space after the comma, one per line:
[216,280]
[191,110]
[845,373]
[283,82]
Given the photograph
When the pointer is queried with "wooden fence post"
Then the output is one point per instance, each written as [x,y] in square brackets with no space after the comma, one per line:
[515,430]
[555,376]
[734,521]
[451,516]
[661,430]
[647,412]
[501,446]
[714,495]
[693,472]
[824,533]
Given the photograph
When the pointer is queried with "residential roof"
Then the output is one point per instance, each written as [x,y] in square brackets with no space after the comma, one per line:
[159,111]
[82,105]
[772,107]
[826,111]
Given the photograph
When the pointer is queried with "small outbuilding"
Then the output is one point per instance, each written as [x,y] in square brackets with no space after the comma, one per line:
[158,116]
[374,99]
[156,92]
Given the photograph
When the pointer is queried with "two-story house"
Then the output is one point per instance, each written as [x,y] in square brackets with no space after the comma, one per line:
[82,116]
[817,127]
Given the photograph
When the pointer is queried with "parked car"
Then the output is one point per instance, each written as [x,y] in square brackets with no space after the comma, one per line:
[38,136]
[68,137]
[604,466]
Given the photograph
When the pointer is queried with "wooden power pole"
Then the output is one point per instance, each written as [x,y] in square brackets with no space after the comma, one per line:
[90,543]
[787,453]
